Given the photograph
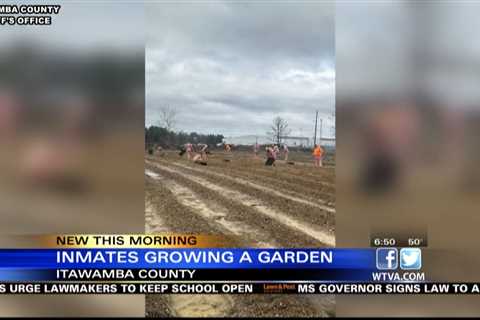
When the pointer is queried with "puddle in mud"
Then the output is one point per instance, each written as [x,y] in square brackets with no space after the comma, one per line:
[200,305]
[152,174]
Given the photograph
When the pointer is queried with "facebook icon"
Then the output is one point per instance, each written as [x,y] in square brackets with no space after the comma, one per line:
[387,258]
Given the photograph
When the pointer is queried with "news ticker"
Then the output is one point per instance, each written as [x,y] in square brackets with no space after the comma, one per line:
[56,264]
[241,288]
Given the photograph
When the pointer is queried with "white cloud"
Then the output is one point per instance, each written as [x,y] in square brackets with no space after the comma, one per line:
[231,70]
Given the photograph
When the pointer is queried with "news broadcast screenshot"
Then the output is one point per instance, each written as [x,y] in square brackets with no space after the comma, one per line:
[170,159]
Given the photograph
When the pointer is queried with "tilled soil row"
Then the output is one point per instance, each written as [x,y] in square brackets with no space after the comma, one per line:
[323,176]
[311,215]
[175,217]
[218,305]
[285,236]
[307,174]
[313,188]
[311,193]
[298,166]
[207,214]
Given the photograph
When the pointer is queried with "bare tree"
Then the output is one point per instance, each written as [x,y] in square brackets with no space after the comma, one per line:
[168,117]
[278,130]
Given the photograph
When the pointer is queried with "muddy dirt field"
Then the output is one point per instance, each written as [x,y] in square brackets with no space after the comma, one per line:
[251,205]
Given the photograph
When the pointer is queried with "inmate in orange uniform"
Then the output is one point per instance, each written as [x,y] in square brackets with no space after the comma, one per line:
[317,154]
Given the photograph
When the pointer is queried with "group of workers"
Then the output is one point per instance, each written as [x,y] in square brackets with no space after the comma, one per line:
[198,153]
[273,152]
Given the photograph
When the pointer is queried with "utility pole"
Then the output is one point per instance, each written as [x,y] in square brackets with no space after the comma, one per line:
[315,136]
[321,130]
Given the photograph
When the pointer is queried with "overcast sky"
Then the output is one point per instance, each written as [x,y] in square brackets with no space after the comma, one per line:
[230,68]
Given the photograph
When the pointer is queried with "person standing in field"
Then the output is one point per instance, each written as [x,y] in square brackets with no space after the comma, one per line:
[317,154]
[285,152]
[271,156]
[189,149]
[227,152]
[276,150]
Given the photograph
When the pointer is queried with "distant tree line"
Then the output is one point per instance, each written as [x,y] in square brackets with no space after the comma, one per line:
[159,136]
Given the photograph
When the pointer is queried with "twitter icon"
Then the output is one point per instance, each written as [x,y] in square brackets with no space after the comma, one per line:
[410,259]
